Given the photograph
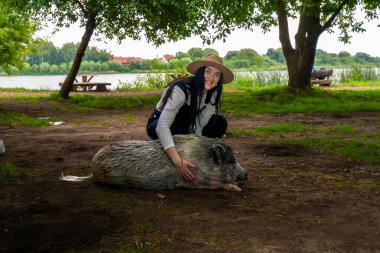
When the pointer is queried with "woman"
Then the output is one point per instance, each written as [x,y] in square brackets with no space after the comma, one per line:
[190,105]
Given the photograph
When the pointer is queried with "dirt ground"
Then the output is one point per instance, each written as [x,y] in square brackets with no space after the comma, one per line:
[295,200]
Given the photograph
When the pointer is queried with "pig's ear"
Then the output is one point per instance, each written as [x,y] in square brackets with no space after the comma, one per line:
[219,152]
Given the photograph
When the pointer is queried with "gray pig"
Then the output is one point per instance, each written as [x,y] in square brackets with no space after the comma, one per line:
[144,164]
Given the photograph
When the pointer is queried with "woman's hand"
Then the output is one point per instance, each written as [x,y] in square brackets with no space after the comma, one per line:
[183,170]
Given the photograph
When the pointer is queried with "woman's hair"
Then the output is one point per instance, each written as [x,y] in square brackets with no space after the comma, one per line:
[196,84]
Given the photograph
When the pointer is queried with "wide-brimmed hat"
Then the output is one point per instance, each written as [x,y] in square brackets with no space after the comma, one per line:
[215,61]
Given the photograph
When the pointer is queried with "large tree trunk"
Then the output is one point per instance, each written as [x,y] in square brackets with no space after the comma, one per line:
[299,60]
[68,83]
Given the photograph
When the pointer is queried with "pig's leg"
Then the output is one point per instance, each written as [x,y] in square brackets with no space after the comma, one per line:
[203,182]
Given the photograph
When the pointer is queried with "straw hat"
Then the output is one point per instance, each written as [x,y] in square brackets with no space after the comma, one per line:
[215,61]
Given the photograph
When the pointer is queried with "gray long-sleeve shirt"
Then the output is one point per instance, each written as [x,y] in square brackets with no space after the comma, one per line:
[175,101]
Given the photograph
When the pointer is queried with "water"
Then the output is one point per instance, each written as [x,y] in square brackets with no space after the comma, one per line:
[51,82]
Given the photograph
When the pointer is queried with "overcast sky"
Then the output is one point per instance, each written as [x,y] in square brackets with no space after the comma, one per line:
[367,42]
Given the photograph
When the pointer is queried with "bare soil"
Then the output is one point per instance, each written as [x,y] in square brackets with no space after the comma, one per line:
[295,200]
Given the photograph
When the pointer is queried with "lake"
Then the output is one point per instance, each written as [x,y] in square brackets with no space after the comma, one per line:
[51,82]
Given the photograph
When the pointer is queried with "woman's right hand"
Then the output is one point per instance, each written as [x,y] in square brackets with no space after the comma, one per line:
[183,170]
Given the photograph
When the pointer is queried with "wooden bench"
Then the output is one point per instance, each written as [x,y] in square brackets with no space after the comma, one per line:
[85,86]
[321,77]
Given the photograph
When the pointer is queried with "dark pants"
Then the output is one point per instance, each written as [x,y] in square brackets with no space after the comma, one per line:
[216,127]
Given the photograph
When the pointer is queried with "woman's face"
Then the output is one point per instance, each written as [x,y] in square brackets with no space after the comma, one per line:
[212,76]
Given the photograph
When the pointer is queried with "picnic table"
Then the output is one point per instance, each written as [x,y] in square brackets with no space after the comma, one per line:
[86,83]
[321,77]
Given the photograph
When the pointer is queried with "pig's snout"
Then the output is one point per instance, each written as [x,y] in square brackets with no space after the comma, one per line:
[243,176]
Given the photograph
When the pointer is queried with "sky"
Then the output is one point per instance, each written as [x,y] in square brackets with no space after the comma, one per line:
[367,42]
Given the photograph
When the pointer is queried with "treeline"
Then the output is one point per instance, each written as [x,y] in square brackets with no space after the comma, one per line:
[48,59]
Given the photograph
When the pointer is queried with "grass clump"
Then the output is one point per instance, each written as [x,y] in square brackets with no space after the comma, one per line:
[272,129]
[339,129]
[9,171]
[352,148]
[142,228]
[280,100]
[137,248]
[19,119]
[284,128]
[119,103]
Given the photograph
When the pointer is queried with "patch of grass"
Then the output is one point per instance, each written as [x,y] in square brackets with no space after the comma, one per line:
[175,211]
[259,79]
[128,118]
[109,102]
[342,129]
[366,185]
[339,182]
[280,100]
[141,228]
[284,128]
[272,129]
[9,171]
[353,149]
[137,248]
[20,90]
[240,132]
[19,119]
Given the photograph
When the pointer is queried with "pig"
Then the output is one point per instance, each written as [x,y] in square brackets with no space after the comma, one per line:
[145,165]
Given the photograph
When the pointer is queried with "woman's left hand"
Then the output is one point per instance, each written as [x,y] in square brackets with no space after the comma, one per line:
[183,170]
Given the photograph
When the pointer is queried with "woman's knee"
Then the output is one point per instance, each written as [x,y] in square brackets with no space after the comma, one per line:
[151,130]
[216,127]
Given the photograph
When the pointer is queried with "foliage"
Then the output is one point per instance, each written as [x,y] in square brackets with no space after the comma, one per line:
[49,59]
[151,81]
[258,79]
[47,52]
[358,73]
[16,31]
[315,17]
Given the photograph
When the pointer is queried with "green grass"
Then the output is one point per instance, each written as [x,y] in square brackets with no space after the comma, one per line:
[137,248]
[279,100]
[126,103]
[19,119]
[283,128]
[142,228]
[9,171]
[272,129]
[352,148]
[339,129]
[20,90]
[338,139]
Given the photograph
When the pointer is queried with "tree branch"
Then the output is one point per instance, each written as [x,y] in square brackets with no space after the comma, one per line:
[283,26]
[81,6]
[333,16]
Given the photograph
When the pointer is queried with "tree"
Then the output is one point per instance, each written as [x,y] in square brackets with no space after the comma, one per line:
[195,53]
[276,55]
[208,51]
[344,54]
[16,31]
[157,21]
[315,17]
[231,54]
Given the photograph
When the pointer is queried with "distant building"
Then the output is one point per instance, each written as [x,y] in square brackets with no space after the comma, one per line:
[167,57]
[126,60]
